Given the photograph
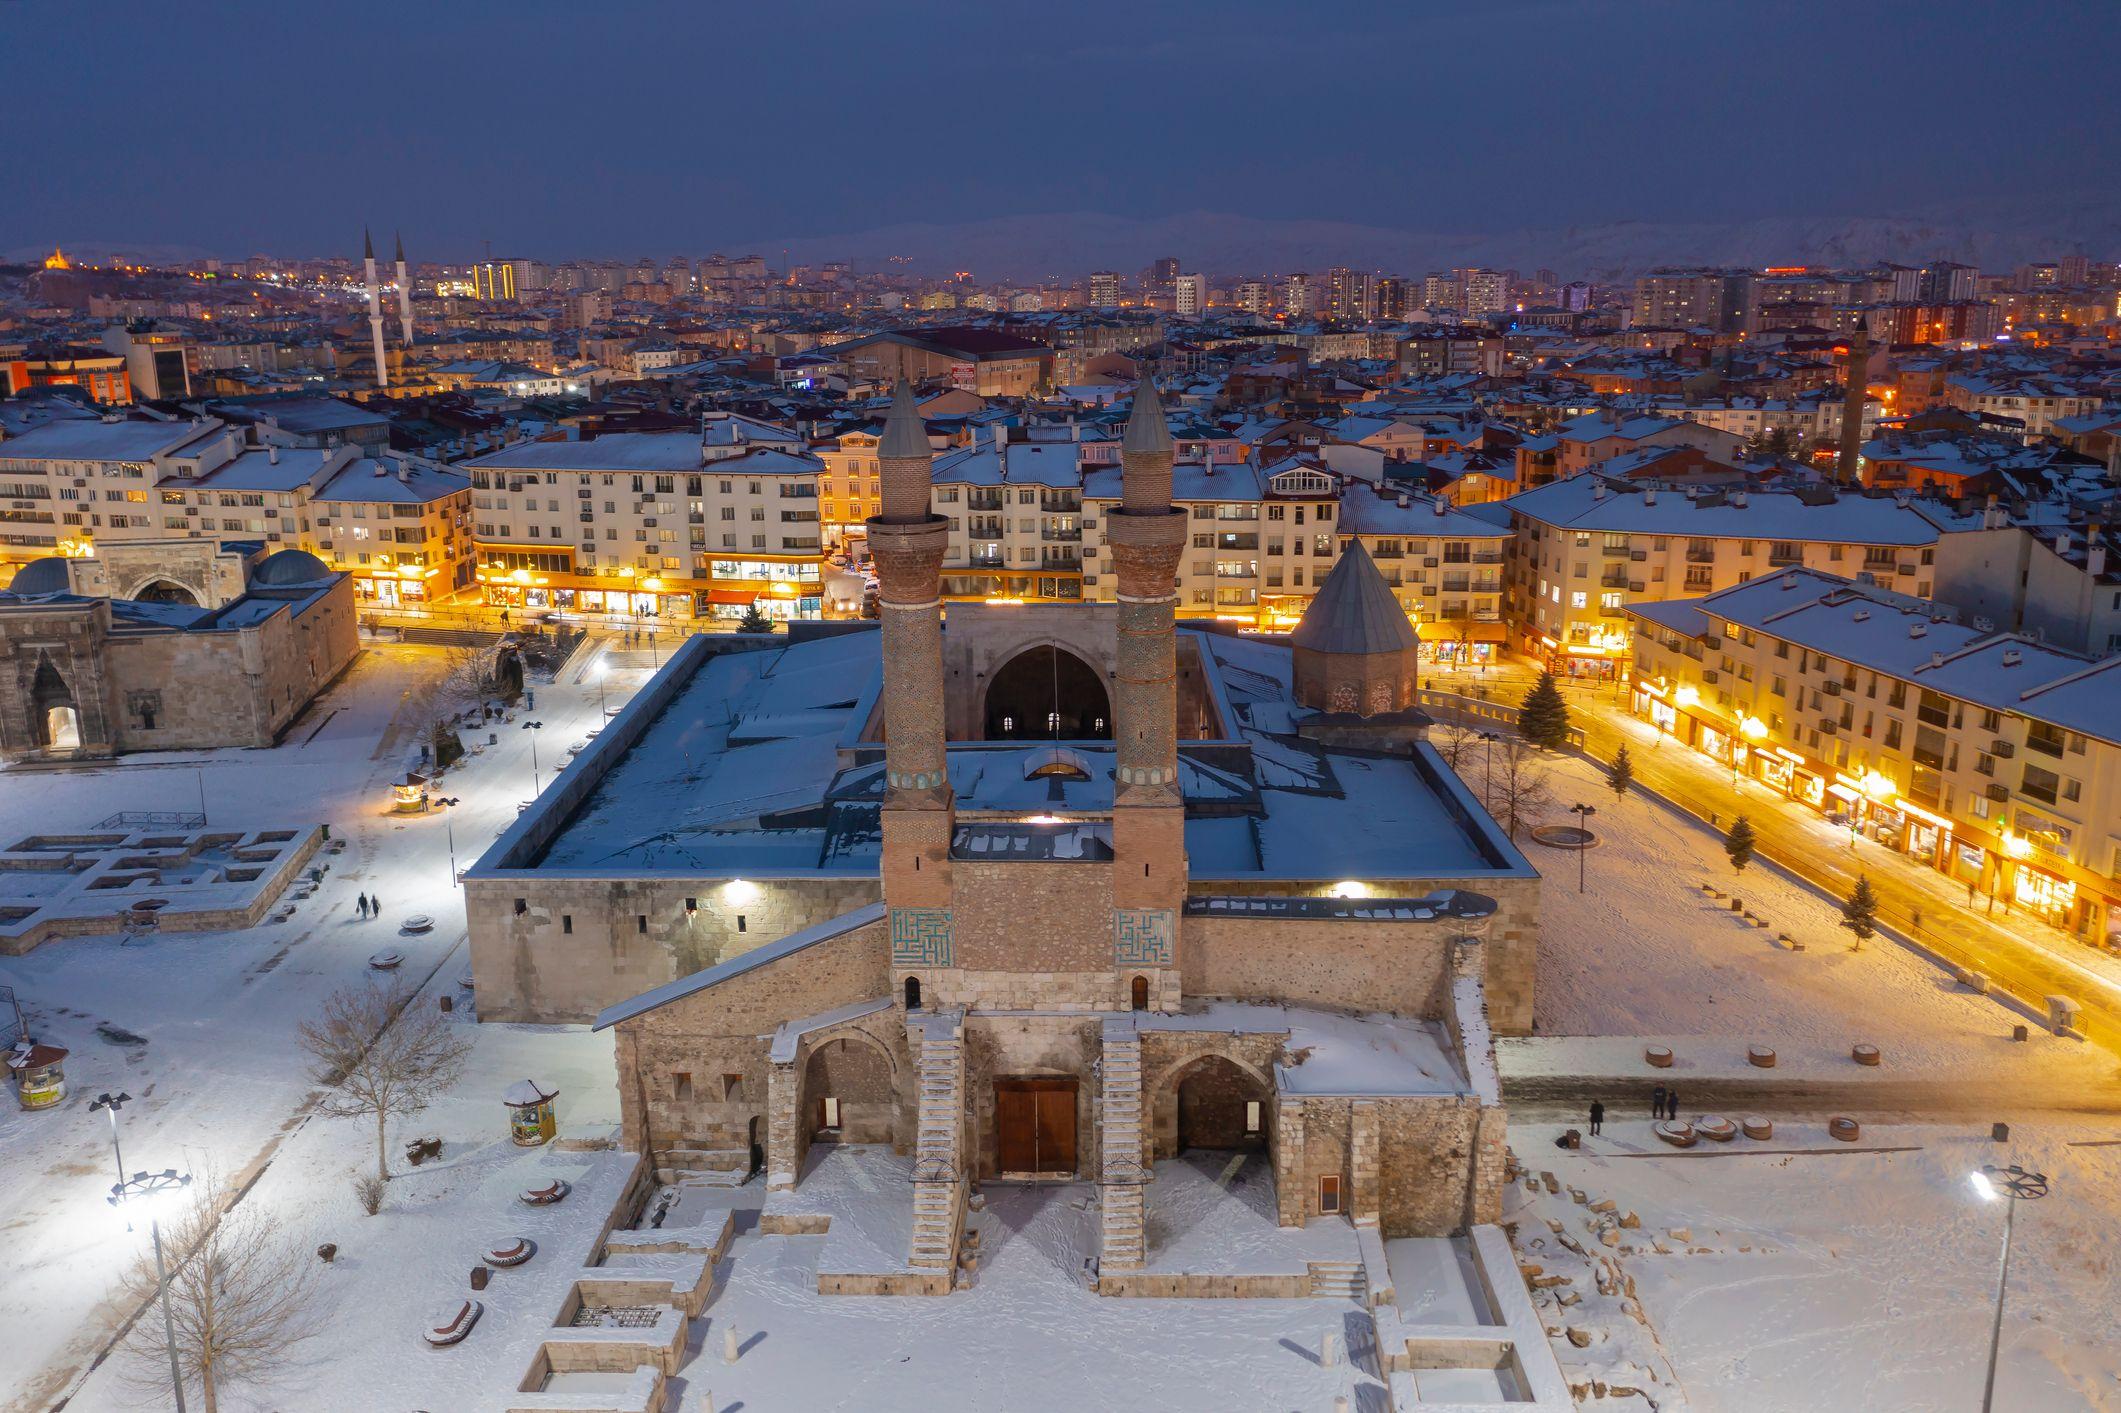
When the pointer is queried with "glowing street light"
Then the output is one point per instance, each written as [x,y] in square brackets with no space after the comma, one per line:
[533,727]
[2009,1184]
[145,1192]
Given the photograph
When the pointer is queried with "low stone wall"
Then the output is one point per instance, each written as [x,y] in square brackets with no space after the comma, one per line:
[1181,1286]
[885,1283]
[643,1393]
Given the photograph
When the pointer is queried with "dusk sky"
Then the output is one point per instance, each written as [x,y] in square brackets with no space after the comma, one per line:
[562,129]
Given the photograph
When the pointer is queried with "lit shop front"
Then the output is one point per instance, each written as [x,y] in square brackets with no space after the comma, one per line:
[780,589]
[1600,654]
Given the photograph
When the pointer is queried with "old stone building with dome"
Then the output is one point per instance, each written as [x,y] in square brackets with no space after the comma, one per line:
[1229,899]
[224,646]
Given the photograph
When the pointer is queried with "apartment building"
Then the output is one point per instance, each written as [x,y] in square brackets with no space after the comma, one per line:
[1016,519]
[1584,550]
[1991,757]
[649,524]
[65,485]
[71,487]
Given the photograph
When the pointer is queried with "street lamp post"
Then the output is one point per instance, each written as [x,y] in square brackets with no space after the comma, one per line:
[1487,752]
[602,710]
[111,1104]
[2010,1184]
[1583,815]
[533,727]
[149,1189]
[449,828]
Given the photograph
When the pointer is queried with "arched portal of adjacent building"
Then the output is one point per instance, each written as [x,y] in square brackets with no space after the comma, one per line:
[1213,1103]
[1047,693]
[55,718]
[165,591]
[848,1094]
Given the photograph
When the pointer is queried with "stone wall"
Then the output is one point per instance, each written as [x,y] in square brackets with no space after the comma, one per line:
[1020,915]
[577,945]
[726,1030]
[1430,1180]
[1360,966]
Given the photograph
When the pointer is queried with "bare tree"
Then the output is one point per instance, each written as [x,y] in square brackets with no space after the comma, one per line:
[379,1057]
[1454,743]
[242,1296]
[1518,789]
[467,678]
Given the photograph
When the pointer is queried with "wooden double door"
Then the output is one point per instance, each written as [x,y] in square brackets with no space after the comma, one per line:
[1034,1124]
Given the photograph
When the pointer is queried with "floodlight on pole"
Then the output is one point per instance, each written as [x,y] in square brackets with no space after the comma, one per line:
[2009,1184]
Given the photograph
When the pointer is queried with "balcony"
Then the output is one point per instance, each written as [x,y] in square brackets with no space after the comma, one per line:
[980,502]
[1613,579]
[985,561]
[1701,556]
[1060,562]
[1071,537]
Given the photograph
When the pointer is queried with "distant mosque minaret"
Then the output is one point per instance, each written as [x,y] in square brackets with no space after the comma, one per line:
[375,307]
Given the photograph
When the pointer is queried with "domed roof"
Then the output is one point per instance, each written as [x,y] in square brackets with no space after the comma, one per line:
[1354,611]
[289,566]
[41,576]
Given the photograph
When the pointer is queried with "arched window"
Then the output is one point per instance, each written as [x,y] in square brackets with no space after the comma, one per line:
[1141,993]
[913,993]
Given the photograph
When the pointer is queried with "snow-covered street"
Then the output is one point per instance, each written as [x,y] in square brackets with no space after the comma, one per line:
[199,1028]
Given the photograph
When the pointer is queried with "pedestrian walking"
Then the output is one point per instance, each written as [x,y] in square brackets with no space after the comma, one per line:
[361,905]
[1597,1116]
[1671,1104]
[1657,1102]
[375,905]
[1970,892]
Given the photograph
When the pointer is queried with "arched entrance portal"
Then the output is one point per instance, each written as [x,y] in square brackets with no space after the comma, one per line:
[847,1094]
[1046,693]
[163,591]
[1213,1103]
[54,719]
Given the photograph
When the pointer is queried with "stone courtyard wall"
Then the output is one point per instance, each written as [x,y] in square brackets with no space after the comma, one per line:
[628,935]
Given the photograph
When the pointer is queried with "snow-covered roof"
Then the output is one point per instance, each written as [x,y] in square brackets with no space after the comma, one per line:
[84,440]
[616,451]
[1354,611]
[1576,503]
[1902,637]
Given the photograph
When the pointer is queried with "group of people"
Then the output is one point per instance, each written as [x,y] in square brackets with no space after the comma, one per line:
[1664,1104]
[367,905]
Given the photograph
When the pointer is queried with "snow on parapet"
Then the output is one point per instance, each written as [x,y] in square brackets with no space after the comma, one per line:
[1476,1042]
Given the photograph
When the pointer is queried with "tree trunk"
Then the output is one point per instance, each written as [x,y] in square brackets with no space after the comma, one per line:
[207,1400]
[382,1146]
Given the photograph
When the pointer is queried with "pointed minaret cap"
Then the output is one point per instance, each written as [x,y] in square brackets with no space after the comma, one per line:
[905,434]
[368,245]
[1354,611]
[1146,428]
[400,235]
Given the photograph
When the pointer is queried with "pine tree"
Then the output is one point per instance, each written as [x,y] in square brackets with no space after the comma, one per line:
[1739,842]
[1544,718]
[1620,776]
[754,621]
[1860,913]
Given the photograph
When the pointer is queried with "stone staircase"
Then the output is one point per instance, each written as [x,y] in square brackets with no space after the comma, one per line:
[1123,1226]
[938,1153]
[1339,1280]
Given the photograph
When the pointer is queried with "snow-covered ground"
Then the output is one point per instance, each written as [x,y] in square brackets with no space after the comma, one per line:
[1644,952]
[1777,1281]
[199,1028]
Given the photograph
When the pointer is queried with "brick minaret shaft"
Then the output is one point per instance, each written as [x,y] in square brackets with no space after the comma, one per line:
[1147,535]
[908,541]
[1853,395]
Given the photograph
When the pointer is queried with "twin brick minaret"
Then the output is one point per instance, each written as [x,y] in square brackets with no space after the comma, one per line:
[907,542]
[1146,535]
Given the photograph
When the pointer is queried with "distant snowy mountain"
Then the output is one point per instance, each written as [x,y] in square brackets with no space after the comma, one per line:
[1073,243]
